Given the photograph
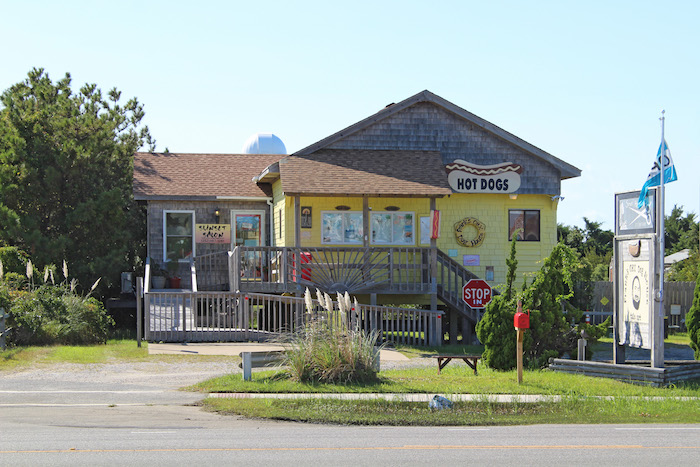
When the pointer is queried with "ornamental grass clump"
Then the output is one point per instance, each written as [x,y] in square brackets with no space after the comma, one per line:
[327,350]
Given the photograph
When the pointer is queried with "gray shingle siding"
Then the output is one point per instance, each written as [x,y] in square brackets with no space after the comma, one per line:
[428,127]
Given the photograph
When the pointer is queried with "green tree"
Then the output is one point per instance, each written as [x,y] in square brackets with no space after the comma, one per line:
[66,162]
[495,330]
[692,319]
[594,246]
[680,232]
[686,270]
[549,331]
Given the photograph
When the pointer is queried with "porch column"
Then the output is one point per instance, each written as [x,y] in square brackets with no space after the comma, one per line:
[433,266]
[365,221]
[297,221]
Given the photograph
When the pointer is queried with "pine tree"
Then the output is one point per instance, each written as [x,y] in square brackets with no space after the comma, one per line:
[692,319]
[495,330]
[66,168]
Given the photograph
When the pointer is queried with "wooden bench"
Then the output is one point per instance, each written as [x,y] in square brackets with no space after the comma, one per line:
[443,360]
[259,360]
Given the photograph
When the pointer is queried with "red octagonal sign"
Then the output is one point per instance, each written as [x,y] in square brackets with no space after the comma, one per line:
[476,293]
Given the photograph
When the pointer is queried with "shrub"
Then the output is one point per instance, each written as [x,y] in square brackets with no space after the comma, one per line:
[549,334]
[551,286]
[52,315]
[13,259]
[495,330]
[692,319]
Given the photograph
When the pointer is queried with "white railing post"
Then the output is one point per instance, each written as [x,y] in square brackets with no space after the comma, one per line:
[234,264]
[193,275]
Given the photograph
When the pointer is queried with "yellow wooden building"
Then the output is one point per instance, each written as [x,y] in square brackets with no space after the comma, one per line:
[402,207]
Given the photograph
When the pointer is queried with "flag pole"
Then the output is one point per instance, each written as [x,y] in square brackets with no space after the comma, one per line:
[657,354]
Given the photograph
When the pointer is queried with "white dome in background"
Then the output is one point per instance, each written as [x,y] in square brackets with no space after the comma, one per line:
[264,143]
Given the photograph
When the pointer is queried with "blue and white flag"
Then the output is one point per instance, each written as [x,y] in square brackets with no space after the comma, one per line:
[653,179]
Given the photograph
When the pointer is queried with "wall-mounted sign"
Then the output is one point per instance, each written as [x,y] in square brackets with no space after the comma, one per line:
[630,219]
[636,305]
[306,217]
[470,260]
[465,177]
[212,233]
[470,232]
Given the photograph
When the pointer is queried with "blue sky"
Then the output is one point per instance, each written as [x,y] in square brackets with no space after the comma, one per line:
[583,80]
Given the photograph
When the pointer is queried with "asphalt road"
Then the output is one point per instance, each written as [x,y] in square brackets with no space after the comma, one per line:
[124,414]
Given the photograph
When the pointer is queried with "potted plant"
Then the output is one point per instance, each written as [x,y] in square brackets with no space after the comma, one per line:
[158,277]
[174,280]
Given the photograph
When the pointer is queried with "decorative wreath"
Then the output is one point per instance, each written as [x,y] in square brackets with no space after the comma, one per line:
[480,231]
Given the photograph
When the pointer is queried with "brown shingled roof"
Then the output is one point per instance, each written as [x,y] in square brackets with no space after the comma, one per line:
[199,176]
[337,172]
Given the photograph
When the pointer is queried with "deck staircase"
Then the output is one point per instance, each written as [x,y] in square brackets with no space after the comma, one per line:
[451,277]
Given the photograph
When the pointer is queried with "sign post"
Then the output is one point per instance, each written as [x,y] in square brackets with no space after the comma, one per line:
[521,322]
[476,293]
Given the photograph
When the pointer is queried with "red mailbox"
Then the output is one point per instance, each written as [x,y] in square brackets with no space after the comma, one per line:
[522,320]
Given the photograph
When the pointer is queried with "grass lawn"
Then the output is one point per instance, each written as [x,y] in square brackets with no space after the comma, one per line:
[398,413]
[579,403]
[116,350]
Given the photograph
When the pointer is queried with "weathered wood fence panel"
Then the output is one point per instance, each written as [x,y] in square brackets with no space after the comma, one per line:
[679,294]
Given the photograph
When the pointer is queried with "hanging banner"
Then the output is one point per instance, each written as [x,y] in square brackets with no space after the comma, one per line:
[465,177]
[434,224]
[212,233]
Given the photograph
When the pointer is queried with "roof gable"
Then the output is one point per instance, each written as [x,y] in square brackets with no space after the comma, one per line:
[566,170]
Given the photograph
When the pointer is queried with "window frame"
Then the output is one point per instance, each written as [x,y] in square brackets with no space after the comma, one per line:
[343,215]
[525,213]
[393,240]
[165,233]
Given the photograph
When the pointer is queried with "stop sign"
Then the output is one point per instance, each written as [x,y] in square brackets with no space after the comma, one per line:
[476,293]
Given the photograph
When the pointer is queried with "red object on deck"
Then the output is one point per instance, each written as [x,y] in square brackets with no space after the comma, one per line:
[304,258]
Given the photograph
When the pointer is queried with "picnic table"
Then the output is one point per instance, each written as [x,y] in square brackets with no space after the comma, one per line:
[443,360]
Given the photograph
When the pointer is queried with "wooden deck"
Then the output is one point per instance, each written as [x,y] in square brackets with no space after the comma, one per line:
[360,270]
[184,316]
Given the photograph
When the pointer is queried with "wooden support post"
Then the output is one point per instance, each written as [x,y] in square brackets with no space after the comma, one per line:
[247,365]
[2,329]
[454,325]
[467,332]
[365,221]
[139,310]
[433,276]
[582,349]
[297,221]
[520,333]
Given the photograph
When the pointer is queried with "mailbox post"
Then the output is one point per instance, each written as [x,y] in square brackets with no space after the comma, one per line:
[521,322]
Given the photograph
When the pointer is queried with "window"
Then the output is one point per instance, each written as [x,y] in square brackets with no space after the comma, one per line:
[178,230]
[526,223]
[393,228]
[344,228]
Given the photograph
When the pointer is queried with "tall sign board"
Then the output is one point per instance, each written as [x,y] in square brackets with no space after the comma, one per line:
[637,321]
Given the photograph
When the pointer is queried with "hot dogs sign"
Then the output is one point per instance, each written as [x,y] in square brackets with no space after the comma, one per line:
[465,177]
